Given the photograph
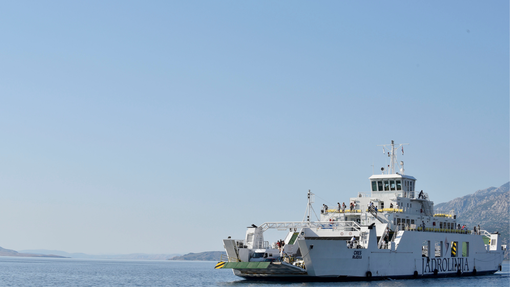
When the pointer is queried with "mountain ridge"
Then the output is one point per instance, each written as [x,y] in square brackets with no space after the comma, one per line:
[489,208]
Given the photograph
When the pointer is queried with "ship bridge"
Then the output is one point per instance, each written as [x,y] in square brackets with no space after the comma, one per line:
[399,184]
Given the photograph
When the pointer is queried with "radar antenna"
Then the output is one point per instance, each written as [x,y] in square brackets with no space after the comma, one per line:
[392,155]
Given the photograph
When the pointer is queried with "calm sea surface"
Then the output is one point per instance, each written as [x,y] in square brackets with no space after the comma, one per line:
[80,272]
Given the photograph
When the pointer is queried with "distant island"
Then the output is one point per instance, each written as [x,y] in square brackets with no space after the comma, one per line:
[132,256]
[9,252]
[202,256]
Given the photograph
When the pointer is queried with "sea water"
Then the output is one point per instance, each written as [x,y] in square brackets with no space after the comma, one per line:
[16,271]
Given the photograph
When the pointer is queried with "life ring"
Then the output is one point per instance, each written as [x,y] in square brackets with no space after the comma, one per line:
[350,233]
[341,233]
[369,274]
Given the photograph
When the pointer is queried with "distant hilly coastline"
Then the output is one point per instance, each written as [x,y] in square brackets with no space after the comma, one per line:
[10,252]
[132,256]
[202,256]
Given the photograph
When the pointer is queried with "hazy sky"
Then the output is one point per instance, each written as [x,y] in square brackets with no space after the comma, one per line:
[165,126]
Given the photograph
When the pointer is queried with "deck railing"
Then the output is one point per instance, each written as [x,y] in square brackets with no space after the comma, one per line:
[429,229]
[310,224]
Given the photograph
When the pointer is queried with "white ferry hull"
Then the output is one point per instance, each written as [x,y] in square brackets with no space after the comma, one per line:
[332,260]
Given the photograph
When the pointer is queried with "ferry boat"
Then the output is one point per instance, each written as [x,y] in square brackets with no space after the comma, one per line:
[390,232]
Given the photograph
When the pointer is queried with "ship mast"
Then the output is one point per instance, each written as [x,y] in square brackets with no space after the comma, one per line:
[392,155]
[309,207]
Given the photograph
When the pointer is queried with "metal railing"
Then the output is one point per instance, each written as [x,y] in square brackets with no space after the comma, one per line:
[310,224]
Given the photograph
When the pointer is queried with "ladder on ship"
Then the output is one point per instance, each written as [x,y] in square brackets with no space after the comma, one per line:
[374,214]
[384,239]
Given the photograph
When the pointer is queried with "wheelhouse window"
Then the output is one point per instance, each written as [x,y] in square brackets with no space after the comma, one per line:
[399,185]
[259,255]
[392,185]
[386,185]
[374,186]
[379,185]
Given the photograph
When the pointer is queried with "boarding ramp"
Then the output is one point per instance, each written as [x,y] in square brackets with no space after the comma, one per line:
[230,247]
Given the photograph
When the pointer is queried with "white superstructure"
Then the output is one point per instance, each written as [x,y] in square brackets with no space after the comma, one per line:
[391,231]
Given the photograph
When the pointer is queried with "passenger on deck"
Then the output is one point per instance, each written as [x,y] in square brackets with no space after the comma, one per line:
[478,229]
[339,206]
[391,205]
[352,206]
[343,207]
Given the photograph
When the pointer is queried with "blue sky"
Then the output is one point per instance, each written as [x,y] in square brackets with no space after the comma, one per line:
[165,126]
